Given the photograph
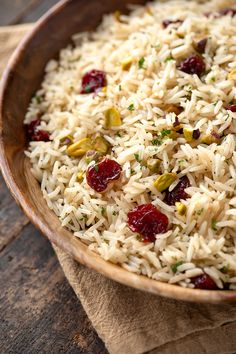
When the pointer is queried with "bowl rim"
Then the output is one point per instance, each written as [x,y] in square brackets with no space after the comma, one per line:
[88,258]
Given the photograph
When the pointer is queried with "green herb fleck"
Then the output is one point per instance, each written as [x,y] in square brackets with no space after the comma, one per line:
[118,134]
[155,46]
[165,132]
[199,211]
[132,172]
[139,238]
[87,89]
[137,158]
[168,59]
[224,269]
[215,103]
[213,224]
[115,213]
[120,88]
[96,167]
[103,211]
[213,79]
[227,117]
[156,142]
[174,267]
[131,107]
[38,99]
[141,63]
[207,72]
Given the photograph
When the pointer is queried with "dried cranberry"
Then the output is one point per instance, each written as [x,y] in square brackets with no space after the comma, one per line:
[34,134]
[204,281]
[225,12]
[232,108]
[201,45]
[148,221]
[166,23]
[93,80]
[193,65]
[101,174]
[31,127]
[40,135]
[178,192]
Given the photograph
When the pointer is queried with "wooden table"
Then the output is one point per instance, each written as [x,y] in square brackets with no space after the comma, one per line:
[39,313]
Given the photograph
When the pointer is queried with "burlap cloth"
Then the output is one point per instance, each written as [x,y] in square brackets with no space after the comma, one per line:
[130,321]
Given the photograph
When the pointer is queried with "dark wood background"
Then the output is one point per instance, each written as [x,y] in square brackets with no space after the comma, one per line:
[39,313]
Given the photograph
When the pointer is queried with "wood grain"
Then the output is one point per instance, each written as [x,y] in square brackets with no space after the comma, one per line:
[36,10]
[10,214]
[11,10]
[38,310]
[21,79]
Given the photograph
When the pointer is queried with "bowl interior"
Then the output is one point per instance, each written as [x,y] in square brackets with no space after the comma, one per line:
[20,80]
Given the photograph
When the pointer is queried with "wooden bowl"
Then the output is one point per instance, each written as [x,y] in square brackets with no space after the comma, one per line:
[20,81]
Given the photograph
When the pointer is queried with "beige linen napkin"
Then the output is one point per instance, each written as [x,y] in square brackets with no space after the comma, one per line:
[131,321]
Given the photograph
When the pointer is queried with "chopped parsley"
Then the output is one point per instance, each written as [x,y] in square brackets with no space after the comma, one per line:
[215,103]
[213,224]
[168,59]
[131,107]
[141,63]
[115,213]
[224,269]
[139,238]
[226,117]
[174,267]
[120,88]
[165,132]
[155,46]
[156,142]
[137,158]
[38,99]
[132,172]
[213,79]
[207,72]
[96,167]
[87,89]
[103,211]
[199,211]
[118,134]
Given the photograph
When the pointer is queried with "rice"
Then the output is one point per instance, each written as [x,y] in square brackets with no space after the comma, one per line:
[204,239]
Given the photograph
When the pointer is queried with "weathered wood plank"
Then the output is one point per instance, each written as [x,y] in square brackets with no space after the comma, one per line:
[39,313]
[37,11]
[10,10]
[12,220]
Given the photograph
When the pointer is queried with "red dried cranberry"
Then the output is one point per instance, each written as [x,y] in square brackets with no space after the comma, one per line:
[100,175]
[148,221]
[193,65]
[31,127]
[93,80]
[166,23]
[201,45]
[178,192]
[225,12]
[232,108]
[40,135]
[204,281]
[34,134]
